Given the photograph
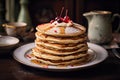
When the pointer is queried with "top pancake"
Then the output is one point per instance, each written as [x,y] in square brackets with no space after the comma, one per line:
[49,29]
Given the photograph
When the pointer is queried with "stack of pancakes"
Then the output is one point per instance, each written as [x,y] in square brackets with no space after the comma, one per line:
[60,45]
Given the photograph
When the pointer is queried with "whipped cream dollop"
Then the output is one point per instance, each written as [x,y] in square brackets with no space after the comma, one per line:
[62,24]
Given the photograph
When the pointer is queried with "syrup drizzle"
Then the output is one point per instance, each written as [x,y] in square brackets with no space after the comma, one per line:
[62,30]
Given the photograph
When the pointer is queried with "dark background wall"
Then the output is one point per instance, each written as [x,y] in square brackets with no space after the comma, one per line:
[42,11]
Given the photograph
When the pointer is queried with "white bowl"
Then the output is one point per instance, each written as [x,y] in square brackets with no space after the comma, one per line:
[7,43]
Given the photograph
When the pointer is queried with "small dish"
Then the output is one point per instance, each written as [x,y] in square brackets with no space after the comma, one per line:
[7,43]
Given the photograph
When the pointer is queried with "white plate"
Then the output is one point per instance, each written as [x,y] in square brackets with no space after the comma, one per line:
[98,52]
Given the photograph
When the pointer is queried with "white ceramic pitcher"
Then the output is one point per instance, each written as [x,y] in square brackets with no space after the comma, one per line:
[99,26]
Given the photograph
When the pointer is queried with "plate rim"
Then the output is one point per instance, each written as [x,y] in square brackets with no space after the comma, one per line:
[60,69]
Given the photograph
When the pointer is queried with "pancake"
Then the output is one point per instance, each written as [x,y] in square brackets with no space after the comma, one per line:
[59,46]
[41,49]
[63,41]
[63,62]
[57,57]
[49,29]
[60,43]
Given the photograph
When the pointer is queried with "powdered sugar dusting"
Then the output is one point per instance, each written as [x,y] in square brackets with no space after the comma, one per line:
[54,30]
[70,30]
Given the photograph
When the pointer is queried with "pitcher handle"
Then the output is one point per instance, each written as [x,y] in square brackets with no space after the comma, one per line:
[117,15]
[6,25]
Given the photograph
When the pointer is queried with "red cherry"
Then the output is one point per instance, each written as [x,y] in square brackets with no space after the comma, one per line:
[55,31]
[66,19]
[62,19]
[51,21]
[57,18]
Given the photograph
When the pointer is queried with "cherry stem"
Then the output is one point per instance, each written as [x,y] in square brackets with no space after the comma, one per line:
[61,11]
[66,12]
